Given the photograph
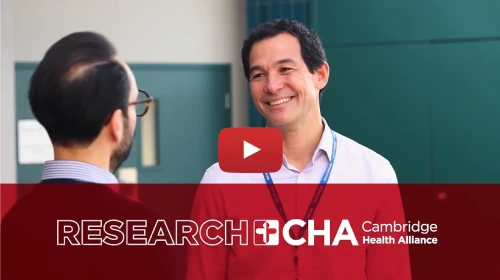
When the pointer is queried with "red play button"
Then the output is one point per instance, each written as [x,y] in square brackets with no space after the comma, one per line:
[250,150]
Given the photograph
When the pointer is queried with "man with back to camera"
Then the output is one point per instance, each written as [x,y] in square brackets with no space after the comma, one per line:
[286,66]
[86,97]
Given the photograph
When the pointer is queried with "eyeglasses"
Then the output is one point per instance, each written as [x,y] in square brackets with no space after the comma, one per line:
[142,103]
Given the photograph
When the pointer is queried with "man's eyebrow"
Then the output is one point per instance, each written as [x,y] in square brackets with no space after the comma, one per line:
[285,60]
[255,67]
[281,61]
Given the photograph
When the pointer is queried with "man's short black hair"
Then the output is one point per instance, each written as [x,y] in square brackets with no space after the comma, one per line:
[76,88]
[311,47]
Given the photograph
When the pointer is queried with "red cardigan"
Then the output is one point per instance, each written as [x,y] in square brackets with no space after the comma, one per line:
[358,204]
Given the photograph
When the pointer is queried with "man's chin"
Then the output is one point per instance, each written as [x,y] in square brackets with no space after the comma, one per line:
[279,122]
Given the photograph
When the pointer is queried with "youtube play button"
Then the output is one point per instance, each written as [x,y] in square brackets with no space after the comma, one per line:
[250,150]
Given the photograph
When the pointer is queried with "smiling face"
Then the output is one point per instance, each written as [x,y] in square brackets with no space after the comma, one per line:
[282,87]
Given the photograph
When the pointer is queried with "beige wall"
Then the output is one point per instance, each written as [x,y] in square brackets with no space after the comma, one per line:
[147,31]
[7,112]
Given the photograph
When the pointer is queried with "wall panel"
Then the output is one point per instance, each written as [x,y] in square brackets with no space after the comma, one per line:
[372,101]
[466,112]
[361,21]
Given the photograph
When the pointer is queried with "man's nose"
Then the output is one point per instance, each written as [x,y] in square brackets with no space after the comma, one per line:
[274,84]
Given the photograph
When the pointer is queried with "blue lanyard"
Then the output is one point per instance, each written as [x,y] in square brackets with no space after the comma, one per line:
[317,195]
[312,206]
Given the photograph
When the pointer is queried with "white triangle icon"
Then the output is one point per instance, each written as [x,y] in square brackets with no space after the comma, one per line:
[249,149]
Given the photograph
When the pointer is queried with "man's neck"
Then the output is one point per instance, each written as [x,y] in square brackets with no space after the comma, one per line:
[300,142]
[90,156]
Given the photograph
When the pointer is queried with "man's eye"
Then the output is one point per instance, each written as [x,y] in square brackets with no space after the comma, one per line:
[257,76]
[285,69]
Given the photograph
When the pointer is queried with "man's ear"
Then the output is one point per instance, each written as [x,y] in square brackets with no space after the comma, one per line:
[322,75]
[115,126]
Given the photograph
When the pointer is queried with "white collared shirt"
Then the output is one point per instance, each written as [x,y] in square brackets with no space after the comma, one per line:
[354,163]
[77,170]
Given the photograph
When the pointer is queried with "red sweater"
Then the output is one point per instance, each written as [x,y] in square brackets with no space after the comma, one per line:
[359,204]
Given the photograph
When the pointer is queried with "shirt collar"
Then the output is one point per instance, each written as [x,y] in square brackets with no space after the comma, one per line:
[66,169]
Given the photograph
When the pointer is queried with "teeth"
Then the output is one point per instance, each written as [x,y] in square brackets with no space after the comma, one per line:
[280,101]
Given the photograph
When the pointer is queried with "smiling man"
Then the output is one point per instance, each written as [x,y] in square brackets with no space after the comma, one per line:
[286,66]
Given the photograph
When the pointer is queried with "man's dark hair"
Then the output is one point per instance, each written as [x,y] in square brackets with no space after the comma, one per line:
[76,88]
[311,47]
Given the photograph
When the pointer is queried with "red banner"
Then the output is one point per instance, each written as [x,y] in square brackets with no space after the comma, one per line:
[196,231]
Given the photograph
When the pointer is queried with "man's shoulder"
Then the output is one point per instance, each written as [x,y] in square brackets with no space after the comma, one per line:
[46,200]
[215,169]
[214,174]
[116,204]
[143,210]
[45,205]
[366,161]
[355,148]
[25,206]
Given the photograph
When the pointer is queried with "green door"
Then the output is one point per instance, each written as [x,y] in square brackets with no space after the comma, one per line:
[191,107]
